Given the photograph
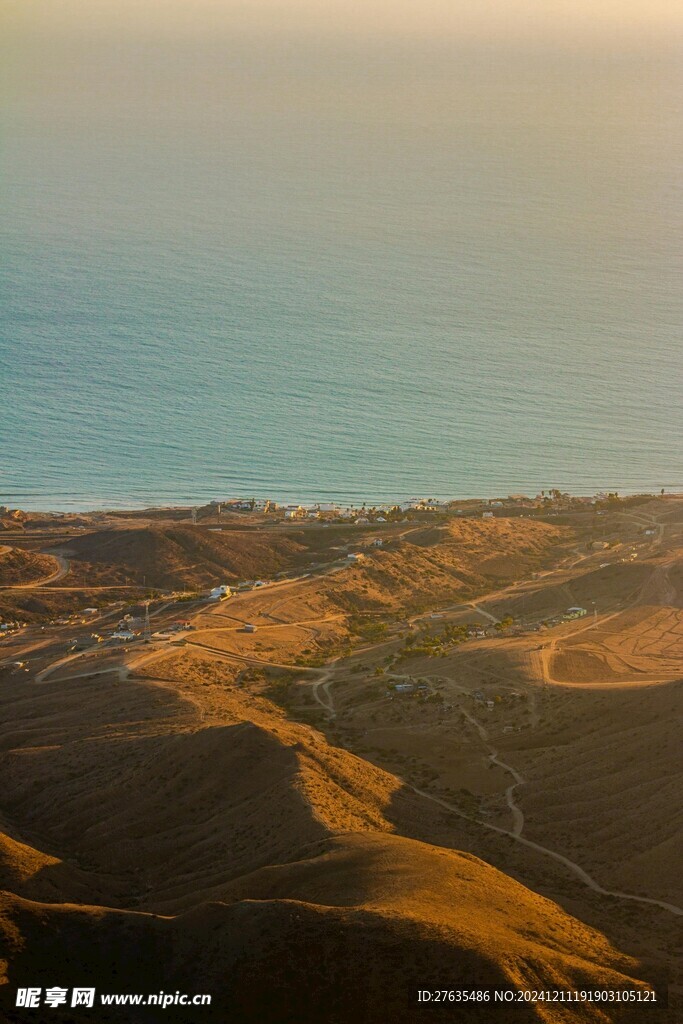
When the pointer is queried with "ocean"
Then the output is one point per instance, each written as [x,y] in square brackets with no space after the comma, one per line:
[342,274]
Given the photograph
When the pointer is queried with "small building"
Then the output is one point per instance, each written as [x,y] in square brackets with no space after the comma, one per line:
[220,593]
[355,556]
[376,543]
[487,515]
[404,687]
[249,627]
[421,505]
[576,612]
[90,611]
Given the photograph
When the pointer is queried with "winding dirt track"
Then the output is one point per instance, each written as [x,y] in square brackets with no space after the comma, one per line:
[63,566]
[518,824]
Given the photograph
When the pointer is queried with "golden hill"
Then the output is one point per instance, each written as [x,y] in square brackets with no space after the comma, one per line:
[291,897]
[22,567]
[348,932]
[179,556]
[162,806]
[449,562]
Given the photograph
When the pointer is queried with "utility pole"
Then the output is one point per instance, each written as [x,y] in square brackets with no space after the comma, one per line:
[147,633]
[194,516]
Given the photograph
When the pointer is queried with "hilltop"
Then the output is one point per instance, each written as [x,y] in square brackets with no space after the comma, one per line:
[358,921]
[19,567]
[452,561]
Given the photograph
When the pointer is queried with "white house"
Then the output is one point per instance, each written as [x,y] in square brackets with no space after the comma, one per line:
[376,543]
[220,593]
[355,556]
[421,505]
[487,515]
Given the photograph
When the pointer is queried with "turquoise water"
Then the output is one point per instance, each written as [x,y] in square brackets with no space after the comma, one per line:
[321,277]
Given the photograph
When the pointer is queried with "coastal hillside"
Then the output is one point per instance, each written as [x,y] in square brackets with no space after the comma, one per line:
[291,793]
[186,835]
[171,795]
[452,561]
[357,918]
[183,556]
[18,567]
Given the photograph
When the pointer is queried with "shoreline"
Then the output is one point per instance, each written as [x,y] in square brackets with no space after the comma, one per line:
[440,502]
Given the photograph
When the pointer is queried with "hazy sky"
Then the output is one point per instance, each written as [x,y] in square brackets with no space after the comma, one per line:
[547,20]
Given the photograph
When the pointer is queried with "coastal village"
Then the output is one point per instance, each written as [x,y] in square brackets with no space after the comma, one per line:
[363,514]
[380,520]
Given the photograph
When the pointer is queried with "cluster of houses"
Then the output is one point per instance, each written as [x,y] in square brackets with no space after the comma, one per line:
[404,689]
[244,505]
[130,628]
[377,514]
[330,510]
[7,628]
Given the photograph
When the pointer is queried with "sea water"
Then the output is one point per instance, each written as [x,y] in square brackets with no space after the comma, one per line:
[355,275]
